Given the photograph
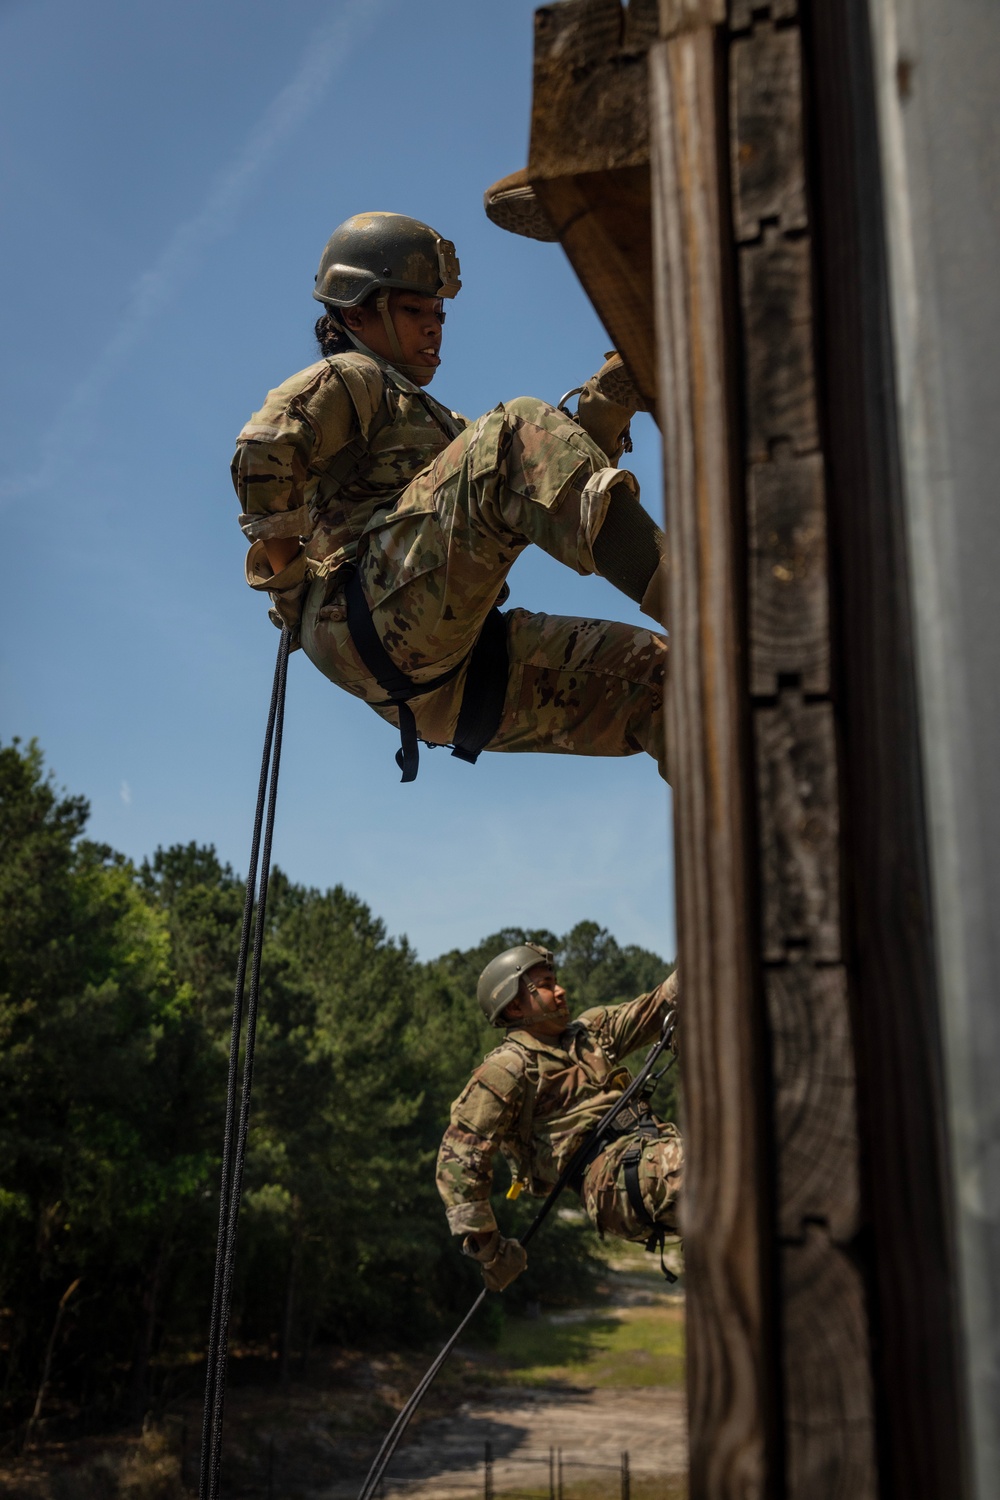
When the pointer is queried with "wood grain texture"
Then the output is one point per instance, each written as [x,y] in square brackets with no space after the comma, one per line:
[603,223]
[767,162]
[829,1402]
[589,161]
[789,596]
[589,102]
[776,300]
[729,1371]
[799,820]
[687,15]
[741,12]
[815,1108]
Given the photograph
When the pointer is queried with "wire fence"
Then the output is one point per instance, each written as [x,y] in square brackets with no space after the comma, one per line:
[268,1470]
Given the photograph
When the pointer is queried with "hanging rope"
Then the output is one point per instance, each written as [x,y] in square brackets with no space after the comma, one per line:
[235,1134]
[591,1140]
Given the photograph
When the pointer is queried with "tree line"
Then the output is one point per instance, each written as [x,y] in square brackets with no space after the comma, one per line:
[115,1013]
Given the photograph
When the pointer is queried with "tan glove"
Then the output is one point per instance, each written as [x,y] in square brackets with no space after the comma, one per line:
[502,1260]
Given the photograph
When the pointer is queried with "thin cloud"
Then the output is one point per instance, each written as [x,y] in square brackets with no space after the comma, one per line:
[326,52]
[125,792]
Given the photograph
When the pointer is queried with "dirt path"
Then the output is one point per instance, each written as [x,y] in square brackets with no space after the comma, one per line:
[591,1427]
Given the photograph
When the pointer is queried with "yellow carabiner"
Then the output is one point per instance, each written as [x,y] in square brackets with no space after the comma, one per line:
[514,1191]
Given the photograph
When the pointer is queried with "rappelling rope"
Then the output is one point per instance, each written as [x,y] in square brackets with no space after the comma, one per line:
[591,1139]
[234,1156]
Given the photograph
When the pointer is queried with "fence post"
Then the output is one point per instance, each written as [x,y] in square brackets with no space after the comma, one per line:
[626,1478]
[552,1474]
[559,1475]
[488,1472]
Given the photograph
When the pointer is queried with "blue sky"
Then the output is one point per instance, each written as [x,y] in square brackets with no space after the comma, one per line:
[170,175]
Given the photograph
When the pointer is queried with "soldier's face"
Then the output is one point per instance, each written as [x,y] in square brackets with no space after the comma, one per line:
[418,322]
[541,1002]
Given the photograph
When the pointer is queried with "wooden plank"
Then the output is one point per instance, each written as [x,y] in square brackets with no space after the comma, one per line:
[589,161]
[829,1402]
[767,162]
[687,15]
[742,12]
[730,1372]
[602,220]
[815,1108]
[776,300]
[799,820]
[789,613]
[589,104]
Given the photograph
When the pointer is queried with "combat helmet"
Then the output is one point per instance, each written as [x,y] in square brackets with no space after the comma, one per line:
[380,251]
[499,981]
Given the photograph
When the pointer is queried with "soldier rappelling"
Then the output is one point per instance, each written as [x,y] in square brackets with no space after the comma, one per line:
[536,1098]
[383,525]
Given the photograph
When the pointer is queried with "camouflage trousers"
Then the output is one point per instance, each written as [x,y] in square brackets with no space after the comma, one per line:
[661,1175]
[433,568]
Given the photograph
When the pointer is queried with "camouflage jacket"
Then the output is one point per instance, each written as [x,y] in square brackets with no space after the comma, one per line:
[535,1100]
[330,447]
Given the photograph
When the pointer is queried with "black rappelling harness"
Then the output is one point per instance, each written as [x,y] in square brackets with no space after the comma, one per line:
[571,1176]
[485,685]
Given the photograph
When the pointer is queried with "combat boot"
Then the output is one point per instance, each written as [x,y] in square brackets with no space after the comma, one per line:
[608,402]
[511,204]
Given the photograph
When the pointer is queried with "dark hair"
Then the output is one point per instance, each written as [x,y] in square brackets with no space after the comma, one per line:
[330,335]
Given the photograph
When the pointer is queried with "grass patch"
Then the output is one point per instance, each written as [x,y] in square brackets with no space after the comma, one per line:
[636,1346]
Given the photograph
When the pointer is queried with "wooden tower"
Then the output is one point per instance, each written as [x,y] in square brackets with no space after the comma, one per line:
[785,216]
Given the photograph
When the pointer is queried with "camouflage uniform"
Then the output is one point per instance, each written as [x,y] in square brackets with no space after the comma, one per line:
[535,1100]
[365,466]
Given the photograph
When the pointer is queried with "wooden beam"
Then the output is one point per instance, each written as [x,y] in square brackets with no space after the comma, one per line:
[589,161]
[726,1215]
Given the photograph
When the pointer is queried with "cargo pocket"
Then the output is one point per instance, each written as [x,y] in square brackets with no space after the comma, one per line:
[405,546]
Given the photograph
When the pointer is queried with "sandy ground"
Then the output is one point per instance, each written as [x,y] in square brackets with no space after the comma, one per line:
[591,1427]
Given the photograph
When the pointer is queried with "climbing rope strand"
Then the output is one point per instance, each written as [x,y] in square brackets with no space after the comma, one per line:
[218,1328]
[248,1061]
[230,1116]
[391,1440]
[393,1437]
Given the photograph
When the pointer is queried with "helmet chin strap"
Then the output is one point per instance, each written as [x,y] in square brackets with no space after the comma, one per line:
[419,374]
[382,306]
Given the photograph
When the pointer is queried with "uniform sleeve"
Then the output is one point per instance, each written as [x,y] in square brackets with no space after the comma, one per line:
[620,1029]
[302,424]
[481,1117]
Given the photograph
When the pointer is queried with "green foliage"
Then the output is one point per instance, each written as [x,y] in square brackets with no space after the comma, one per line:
[115,1018]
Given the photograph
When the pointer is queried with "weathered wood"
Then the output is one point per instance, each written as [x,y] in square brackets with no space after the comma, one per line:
[729,1370]
[776,300]
[589,104]
[602,220]
[589,161]
[741,12]
[789,613]
[829,1425]
[688,15]
[799,822]
[767,161]
[815,1108]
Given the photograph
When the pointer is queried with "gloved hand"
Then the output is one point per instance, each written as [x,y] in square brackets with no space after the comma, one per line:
[670,995]
[502,1260]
